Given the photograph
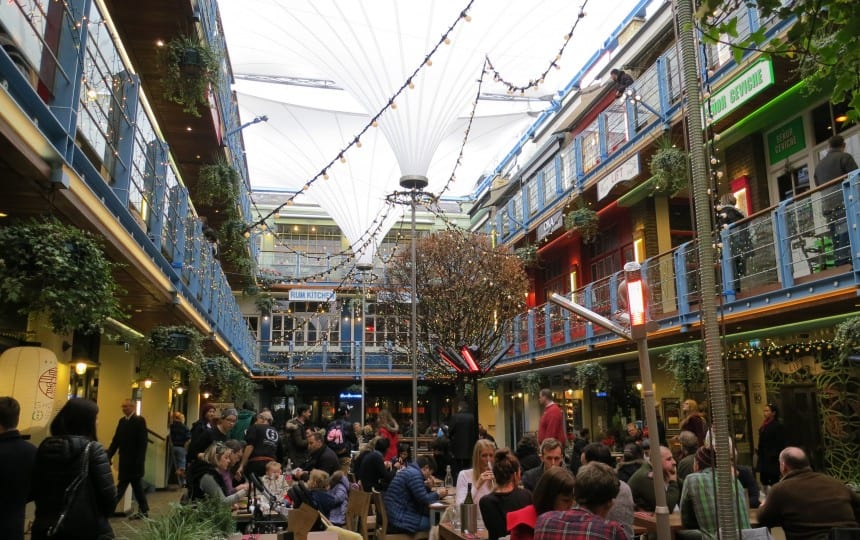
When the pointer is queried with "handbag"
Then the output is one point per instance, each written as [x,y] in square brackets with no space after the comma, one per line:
[72,490]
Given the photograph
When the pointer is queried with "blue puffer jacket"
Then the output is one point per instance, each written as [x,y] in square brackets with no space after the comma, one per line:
[407,498]
[340,493]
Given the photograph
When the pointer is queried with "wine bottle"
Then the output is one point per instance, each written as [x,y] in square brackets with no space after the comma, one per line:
[469,513]
[449,478]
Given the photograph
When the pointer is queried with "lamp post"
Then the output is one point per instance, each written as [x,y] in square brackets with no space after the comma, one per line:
[364,268]
[416,194]
[639,325]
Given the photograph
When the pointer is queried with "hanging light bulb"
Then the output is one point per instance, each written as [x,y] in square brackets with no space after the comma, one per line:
[179,390]
[81,368]
[206,395]
[147,383]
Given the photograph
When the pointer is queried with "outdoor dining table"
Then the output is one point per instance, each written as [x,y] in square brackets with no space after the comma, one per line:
[448,532]
[648,521]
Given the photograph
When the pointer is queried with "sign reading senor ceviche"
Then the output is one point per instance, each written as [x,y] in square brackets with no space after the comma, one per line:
[739,90]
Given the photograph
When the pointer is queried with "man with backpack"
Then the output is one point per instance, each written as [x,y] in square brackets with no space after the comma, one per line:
[341,438]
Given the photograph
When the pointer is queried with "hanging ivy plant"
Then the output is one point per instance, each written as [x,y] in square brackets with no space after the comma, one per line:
[530,383]
[591,375]
[234,245]
[355,389]
[686,364]
[264,303]
[491,383]
[191,67]
[847,338]
[228,381]
[585,221]
[49,267]
[291,390]
[528,254]
[670,168]
[218,183]
[422,389]
[172,349]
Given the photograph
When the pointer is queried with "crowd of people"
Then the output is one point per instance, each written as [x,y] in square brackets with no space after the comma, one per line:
[546,489]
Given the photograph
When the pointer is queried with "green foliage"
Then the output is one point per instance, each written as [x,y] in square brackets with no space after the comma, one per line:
[824,40]
[207,519]
[591,375]
[531,383]
[492,383]
[172,349]
[670,168]
[47,266]
[218,183]
[686,363]
[585,221]
[528,254]
[190,68]
[847,338]
[229,382]
[265,302]
[234,245]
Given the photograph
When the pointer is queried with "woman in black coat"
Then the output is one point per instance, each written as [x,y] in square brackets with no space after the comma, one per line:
[59,462]
[771,441]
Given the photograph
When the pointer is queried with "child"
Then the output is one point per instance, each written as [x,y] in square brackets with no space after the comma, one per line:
[274,480]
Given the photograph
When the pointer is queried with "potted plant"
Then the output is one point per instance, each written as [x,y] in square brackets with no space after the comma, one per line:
[583,220]
[591,375]
[528,254]
[686,363]
[530,383]
[49,267]
[206,519]
[670,168]
[218,183]
[172,349]
[190,68]
[265,302]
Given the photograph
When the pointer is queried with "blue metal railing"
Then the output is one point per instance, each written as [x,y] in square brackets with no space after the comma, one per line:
[89,107]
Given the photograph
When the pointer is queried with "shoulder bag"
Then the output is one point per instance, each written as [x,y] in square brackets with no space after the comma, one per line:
[72,490]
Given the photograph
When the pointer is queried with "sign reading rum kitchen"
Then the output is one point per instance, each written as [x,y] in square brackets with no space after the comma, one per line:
[312,295]
[739,90]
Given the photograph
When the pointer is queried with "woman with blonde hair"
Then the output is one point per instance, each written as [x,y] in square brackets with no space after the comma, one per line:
[386,426]
[480,475]
[693,421]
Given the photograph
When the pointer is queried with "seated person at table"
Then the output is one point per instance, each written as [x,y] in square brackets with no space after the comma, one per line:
[320,457]
[634,457]
[338,488]
[318,485]
[480,475]
[507,496]
[689,445]
[698,505]
[373,472]
[554,491]
[551,455]
[206,476]
[642,483]
[807,504]
[407,498]
[622,507]
[274,481]
[596,489]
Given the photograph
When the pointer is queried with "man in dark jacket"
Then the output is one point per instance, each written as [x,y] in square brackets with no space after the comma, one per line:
[807,504]
[372,471]
[321,457]
[16,466]
[551,455]
[463,432]
[295,435]
[130,439]
[340,436]
[836,163]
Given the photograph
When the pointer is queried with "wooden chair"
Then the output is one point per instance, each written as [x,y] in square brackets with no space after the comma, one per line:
[382,523]
[301,520]
[357,512]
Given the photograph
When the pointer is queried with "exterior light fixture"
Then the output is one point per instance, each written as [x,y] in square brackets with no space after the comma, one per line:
[81,368]
[179,390]
[147,383]
[206,395]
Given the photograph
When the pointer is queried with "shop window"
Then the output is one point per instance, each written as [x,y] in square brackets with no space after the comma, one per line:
[828,120]
[793,181]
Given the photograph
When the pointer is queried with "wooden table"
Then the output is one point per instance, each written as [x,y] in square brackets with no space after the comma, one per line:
[438,508]
[447,532]
[648,521]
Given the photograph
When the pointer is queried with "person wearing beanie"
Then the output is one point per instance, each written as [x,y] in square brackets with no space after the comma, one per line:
[698,505]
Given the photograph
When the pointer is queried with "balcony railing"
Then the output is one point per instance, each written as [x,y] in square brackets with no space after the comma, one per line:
[86,100]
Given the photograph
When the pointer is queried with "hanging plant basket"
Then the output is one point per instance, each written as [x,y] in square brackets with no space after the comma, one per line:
[686,364]
[264,303]
[591,376]
[530,383]
[172,349]
[49,267]
[291,390]
[191,67]
[670,168]
[527,254]
[585,221]
[847,338]
[218,183]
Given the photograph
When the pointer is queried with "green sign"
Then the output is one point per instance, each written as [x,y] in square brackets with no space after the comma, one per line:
[739,90]
[786,140]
